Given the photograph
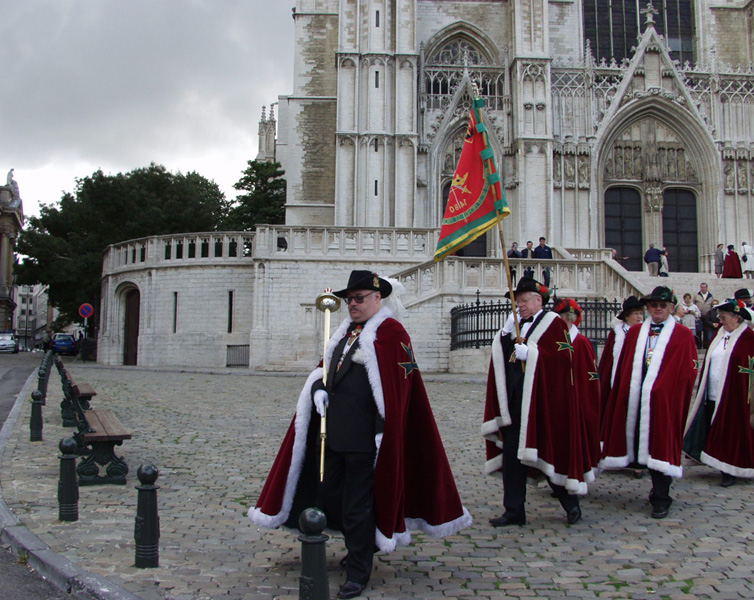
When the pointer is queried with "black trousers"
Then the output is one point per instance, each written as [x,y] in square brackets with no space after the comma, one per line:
[347,498]
[659,497]
[514,477]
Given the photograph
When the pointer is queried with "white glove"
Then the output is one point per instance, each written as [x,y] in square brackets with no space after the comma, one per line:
[522,351]
[321,402]
[509,325]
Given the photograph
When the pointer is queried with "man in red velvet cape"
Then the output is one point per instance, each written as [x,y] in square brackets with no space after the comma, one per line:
[648,405]
[385,465]
[532,416]
[632,313]
[719,434]
[586,378]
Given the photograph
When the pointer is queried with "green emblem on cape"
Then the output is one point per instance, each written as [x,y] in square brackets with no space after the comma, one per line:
[750,372]
[410,366]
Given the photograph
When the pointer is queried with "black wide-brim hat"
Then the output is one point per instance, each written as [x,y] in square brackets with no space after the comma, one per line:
[660,294]
[366,280]
[742,294]
[736,309]
[630,304]
[527,284]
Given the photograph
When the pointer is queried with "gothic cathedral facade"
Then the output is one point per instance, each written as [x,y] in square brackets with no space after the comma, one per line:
[614,124]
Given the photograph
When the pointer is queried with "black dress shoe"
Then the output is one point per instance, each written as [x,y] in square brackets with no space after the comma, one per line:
[660,512]
[728,480]
[506,520]
[350,589]
[574,515]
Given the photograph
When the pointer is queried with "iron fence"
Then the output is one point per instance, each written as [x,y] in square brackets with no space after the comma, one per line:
[475,324]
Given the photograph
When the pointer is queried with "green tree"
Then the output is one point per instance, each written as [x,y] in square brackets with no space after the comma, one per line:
[264,200]
[64,245]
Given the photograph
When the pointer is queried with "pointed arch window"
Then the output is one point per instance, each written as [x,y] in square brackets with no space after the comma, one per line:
[458,51]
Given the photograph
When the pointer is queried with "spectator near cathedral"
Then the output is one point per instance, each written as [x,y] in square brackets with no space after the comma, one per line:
[732,264]
[528,252]
[747,258]
[703,299]
[653,258]
[719,434]
[719,260]
[648,404]
[514,252]
[544,252]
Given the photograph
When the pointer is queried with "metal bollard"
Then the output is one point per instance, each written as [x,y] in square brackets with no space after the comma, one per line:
[42,383]
[36,423]
[313,583]
[147,527]
[68,484]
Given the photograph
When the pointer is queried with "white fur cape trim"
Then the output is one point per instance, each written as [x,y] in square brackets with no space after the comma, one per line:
[640,396]
[620,337]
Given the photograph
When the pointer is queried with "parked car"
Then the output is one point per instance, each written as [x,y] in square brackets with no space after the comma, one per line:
[64,343]
[8,342]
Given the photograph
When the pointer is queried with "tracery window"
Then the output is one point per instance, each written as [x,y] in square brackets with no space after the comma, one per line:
[613,27]
[458,52]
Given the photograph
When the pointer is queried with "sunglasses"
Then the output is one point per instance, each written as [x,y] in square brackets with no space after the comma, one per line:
[359,298]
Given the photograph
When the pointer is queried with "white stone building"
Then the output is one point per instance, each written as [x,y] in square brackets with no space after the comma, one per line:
[614,125]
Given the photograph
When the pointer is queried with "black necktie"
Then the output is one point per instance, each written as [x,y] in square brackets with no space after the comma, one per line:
[655,328]
[527,320]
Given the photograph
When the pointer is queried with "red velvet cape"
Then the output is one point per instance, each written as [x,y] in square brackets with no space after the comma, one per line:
[732,265]
[730,442]
[552,438]
[586,377]
[664,396]
[414,485]
[608,363]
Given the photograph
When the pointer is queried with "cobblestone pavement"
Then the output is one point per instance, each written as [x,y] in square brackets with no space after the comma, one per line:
[213,437]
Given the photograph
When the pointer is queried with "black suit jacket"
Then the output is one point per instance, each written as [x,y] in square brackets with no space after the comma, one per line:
[352,417]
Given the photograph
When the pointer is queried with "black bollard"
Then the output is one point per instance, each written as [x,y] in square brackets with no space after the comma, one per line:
[42,383]
[36,423]
[313,583]
[147,527]
[68,484]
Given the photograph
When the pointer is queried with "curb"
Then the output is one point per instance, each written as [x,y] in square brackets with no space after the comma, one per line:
[64,574]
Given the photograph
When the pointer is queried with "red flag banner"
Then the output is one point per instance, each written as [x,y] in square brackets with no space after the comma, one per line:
[476,201]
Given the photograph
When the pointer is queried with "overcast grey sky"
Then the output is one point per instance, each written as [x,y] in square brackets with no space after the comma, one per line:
[117,84]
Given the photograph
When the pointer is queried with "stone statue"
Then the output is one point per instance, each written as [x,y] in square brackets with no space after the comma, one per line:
[9,182]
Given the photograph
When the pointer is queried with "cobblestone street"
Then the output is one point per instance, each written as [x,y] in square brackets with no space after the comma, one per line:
[214,436]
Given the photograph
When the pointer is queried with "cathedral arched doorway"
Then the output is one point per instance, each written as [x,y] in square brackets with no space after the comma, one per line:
[679,230]
[623,226]
[131,327]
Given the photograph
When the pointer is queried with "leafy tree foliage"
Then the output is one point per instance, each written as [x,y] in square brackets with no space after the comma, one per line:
[264,200]
[64,245]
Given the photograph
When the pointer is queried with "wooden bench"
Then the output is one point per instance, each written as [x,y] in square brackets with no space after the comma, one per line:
[97,433]
[83,391]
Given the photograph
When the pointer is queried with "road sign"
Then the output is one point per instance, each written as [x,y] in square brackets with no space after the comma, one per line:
[86,310]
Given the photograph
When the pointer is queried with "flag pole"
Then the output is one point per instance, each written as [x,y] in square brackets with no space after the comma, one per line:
[516,323]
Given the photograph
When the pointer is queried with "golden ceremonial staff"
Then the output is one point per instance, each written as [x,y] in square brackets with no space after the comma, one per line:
[327,302]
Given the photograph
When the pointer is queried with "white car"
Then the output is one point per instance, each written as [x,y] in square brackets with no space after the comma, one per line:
[8,342]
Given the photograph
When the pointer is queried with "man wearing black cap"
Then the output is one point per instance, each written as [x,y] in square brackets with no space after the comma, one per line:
[632,313]
[386,471]
[649,401]
[532,416]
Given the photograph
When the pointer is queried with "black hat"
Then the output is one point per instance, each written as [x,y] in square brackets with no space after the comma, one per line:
[742,294]
[737,308]
[527,284]
[660,294]
[366,280]
[630,304]
[730,246]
